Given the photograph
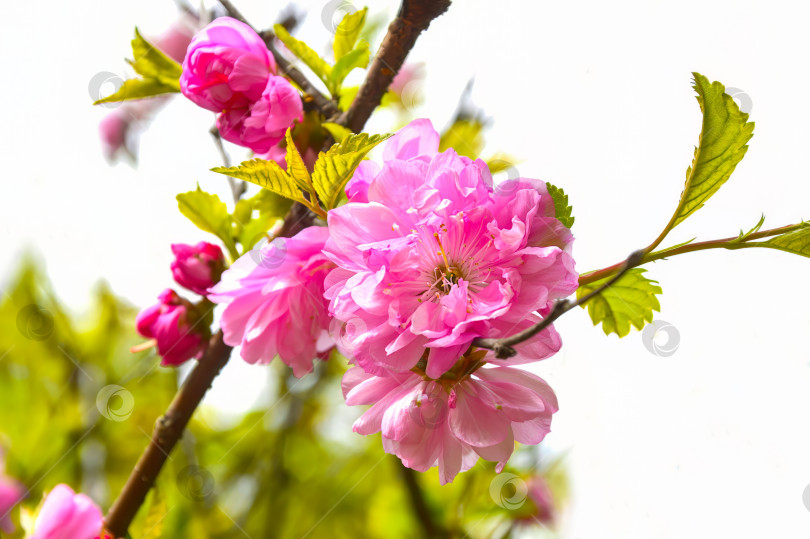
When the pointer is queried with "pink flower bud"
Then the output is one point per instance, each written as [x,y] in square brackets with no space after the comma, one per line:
[173,325]
[67,515]
[197,267]
[226,66]
[262,125]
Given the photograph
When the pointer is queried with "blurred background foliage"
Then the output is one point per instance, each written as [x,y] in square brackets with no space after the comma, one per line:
[76,406]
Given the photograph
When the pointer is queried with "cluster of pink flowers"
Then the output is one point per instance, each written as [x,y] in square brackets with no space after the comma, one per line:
[425,257]
[228,70]
[175,324]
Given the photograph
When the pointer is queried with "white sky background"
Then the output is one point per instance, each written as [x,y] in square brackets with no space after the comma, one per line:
[596,98]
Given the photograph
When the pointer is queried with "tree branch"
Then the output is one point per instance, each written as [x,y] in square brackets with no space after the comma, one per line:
[503,347]
[168,430]
[418,503]
[414,17]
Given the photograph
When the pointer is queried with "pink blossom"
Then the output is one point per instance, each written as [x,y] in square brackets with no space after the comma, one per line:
[275,301]
[408,73]
[262,124]
[11,492]
[226,66]
[430,256]
[542,501]
[197,267]
[173,323]
[452,422]
[67,515]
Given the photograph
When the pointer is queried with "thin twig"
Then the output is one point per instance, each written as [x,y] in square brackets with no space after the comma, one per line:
[414,17]
[503,347]
[237,187]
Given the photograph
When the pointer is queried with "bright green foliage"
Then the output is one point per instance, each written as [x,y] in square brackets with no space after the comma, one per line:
[295,165]
[334,168]
[159,73]
[465,136]
[629,301]
[338,132]
[723,143]
[208,213]
[561,207]
[347,33]
[358,57]
[796,241]
[265,174]
[303,51]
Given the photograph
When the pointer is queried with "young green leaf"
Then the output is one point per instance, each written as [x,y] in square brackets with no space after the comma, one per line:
[358,57]
[561,207]
[722,144]
[465,137]
[265,174]
[338,132]
[630,301]
[209,214]
[159,74]
[295,164]
[796,241]
[334,168]
[347,33]
[303,51]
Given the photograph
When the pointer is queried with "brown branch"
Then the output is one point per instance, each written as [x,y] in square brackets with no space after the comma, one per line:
[168,430]
[503,347]
[414,17]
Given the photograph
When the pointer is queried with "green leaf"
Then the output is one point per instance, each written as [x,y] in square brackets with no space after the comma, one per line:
[158,509]
[723,143]
[265,174]
[465,137]
[347,33]
[305,53]
[796,242]
[745,235]
[338,132]
[358,57]
[270,207]
[334,168]
[295,164]
[159,74]
[629,301]
[208,213]
[561,207]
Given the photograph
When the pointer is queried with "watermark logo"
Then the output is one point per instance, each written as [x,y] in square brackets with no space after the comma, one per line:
[195,483]
[333,12]
[508,491]
[428,411]
[35,322]
[104,84]
[115,402]
[742,99]
[661,338]
[269,255]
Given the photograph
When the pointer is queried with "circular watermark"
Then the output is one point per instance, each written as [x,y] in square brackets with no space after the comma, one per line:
[35,322]
[806,497]
[195,483]
[104,84]
[661,338]
[333,12]
[509,187]
[412,94]
[346,332]
[115,402]
[742,99]
[269,255]
[508,491]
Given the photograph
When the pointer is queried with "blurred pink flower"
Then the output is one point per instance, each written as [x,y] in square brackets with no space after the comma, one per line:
[226,66]
[450,423]
[275,303]
[433,258]
[542,499]
[172,322]
[197,267]
[408,73]
[67,515]
[261,125]
[11,492]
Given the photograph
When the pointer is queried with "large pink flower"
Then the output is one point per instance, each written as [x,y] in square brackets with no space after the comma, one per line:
[226,66]
[262,124]
[275,301]
[67,515]
[429,255]
[451,423]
